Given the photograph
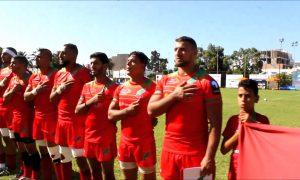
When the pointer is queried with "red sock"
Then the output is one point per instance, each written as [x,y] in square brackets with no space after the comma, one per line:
[57,169]
[46,167]
[66,170]
[11,161]
[27,171]
[85,174]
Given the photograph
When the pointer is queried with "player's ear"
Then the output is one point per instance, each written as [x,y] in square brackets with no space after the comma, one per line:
[256,99]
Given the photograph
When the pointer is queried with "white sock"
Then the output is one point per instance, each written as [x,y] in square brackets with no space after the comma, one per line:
[2,165]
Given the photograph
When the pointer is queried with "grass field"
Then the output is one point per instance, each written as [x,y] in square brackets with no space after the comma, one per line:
[282,108]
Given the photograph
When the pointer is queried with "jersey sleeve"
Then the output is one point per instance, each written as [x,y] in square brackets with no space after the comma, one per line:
[82,97]
[159,86]
[116,93]
[30,80]
[85,75]
[231,127]
[212,93]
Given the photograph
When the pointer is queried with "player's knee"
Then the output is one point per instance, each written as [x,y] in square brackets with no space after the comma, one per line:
[54,153]
[66,154]
[4,132]
[40,142]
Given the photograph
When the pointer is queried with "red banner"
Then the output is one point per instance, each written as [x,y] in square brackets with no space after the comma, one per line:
[268,152]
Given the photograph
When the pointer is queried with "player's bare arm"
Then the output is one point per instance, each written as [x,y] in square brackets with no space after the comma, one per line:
[115,114]
[8,94]
[228,143]
[56,91]
[214,115]
[159,105]
[4,82]
[30,93]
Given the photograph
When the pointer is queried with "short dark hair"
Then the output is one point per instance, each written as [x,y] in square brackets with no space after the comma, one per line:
[72,47]
[142,57]
[187,39]
[101,56]
[46,51]
[12,49]
[249,84]
[22,59]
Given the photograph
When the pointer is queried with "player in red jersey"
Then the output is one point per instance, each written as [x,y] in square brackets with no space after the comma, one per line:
[192,102]
[247,97]
[100,134]
[68,83]
[38,91]
[22,116]
[9,152]
[137,145]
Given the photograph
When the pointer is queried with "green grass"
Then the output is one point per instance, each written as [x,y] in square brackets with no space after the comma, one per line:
[282,108]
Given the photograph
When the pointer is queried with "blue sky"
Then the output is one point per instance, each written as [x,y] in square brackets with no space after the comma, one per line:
[123,26]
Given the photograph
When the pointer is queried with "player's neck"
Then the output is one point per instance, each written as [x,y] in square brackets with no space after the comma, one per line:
[188,70]
[70,67]
[248,111]
[101,79]
[138,79]
[45,70]
[21,74]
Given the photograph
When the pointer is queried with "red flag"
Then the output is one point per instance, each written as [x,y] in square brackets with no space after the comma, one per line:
[268,152]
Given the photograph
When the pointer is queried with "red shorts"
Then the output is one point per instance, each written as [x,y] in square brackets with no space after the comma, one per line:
[172,164]
[49,128]
[143,153]
[37,132]
[233,166]
[5,118]
[69,134]
[104,151]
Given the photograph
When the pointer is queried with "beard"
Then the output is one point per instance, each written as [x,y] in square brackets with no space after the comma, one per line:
[64,63]
[180,64]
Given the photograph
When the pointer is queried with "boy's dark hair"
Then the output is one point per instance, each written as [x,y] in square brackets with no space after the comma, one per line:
[101,56]
[187,39]
[72,47]
[142,57]
[22,59]
[249,84]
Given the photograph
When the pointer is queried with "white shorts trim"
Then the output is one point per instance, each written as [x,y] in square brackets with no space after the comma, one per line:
[11,134]
[4,132]
[127,165]
[147,170]
[77,152]
[66,154]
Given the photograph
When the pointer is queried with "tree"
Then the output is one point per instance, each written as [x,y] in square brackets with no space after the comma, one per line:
[157,64]
[213,59]
[284,79]
[246,61]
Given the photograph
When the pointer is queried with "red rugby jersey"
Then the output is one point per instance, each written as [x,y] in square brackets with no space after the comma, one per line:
[4,73]
[139,126]
[97,125]
[22,111]
[186,120]
[42,104]
[69,97]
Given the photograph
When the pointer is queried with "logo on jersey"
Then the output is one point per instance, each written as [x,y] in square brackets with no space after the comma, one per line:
[215,87]
[191,81]
[172,81]
[140,92]
[125,91]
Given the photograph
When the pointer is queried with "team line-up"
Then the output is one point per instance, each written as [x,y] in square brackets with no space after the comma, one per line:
[72,113]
